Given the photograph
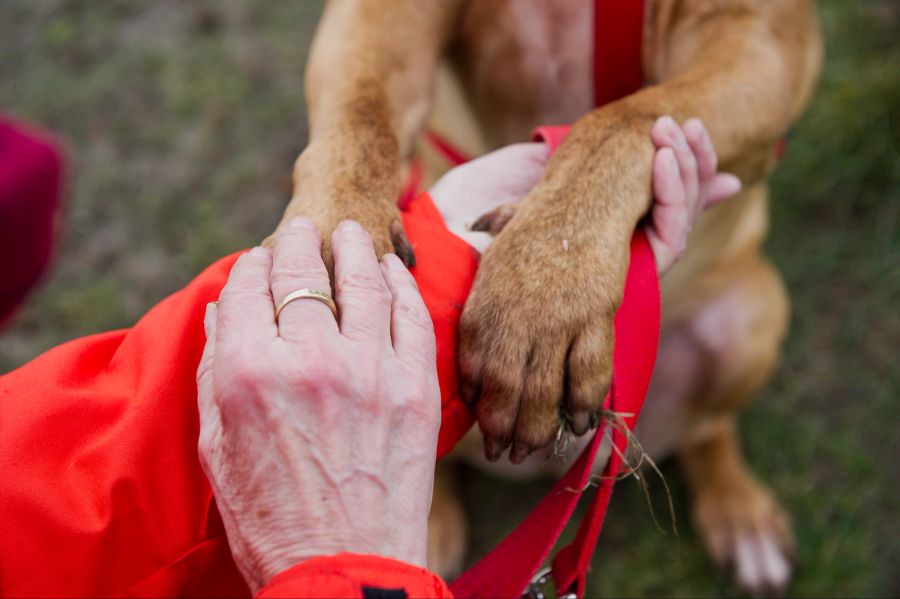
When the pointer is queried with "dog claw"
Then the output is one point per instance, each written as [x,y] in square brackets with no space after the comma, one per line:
[402,248]
[494,448]
[581,422]
[483,224]
[518,453]
[494,221]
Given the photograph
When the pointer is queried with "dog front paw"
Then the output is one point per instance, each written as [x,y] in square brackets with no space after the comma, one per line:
[382,223]
[536,337]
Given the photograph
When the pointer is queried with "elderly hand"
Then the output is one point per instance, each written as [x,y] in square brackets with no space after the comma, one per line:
[318,435]
[685,183]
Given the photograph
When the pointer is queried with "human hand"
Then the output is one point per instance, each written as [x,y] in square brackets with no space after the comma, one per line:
[685,183]
[319,436]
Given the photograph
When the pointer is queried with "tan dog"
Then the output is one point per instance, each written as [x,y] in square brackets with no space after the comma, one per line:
[537,328]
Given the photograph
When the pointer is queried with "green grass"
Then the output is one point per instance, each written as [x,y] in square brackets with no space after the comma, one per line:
[182,121]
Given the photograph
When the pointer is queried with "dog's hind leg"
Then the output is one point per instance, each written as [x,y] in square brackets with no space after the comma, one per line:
[716,358]
[741,524]
[447,529]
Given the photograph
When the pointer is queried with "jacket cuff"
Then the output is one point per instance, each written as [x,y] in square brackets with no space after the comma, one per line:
[355,575]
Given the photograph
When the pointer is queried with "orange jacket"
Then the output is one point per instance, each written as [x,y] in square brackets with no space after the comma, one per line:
[101,490]
[356,576]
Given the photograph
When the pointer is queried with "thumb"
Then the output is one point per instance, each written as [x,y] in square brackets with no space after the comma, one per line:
[210,421]
[724,186]
[205,369]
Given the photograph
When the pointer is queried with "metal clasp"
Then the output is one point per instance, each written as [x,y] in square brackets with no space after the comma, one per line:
[537,586]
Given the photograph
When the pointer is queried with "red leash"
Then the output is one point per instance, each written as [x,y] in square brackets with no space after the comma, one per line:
[511,568]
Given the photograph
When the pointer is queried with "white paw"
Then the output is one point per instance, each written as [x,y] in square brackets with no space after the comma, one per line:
[760,565]
[746,531]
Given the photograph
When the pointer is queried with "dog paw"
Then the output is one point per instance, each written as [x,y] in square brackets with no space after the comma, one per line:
[536,336]
[748,534]
[383,224]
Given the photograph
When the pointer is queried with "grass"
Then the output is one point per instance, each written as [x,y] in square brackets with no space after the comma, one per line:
[182,121]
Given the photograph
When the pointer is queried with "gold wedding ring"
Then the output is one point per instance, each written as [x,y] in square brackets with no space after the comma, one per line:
[315,294]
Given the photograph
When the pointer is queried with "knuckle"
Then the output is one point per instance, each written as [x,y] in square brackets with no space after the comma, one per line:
[369,285]
[297,267]
[318,377]
[424,400]
[244,286]
[243,378]
[415,314]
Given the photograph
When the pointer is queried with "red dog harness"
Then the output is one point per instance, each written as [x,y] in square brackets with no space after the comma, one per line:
[101,490]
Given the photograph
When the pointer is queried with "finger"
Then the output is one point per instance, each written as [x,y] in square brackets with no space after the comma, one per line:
[698,139]
[724,186]
[205,368]
[412,331]
[659,133]
[589,375]
[362,294]
[298,264]
[668,189]
[538,421]
[246,314]
[207,409]
[671,136]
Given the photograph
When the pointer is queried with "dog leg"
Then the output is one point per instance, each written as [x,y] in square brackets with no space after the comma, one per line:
[739,521]
[715,361]
[547,289]
[369,94]
[447,530]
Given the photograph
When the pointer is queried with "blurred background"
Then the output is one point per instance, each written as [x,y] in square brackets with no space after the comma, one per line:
[181,121]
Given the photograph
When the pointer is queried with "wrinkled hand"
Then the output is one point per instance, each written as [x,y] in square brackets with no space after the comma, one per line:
[319,436]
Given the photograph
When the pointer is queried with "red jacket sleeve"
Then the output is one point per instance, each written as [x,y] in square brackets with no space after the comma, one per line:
[356,576]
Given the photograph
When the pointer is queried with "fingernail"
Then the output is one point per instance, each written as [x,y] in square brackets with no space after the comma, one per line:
[259,251]
[394,262]
[350,225]
[300,222]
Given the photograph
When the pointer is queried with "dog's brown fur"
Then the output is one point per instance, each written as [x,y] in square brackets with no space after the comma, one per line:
[536,333]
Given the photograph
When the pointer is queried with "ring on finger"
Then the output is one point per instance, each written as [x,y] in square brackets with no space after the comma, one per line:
[307,293]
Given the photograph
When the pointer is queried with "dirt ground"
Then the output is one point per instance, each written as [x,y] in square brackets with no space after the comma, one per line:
[182,121]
